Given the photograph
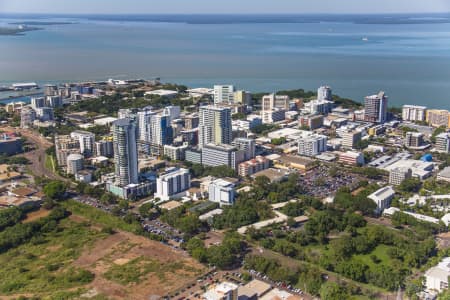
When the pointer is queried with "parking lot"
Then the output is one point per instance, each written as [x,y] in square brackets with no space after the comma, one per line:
[318,183]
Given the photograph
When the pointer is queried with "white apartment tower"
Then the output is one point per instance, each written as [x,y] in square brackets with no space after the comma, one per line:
[214,125]
[223,94]
[414,113]
[125,152]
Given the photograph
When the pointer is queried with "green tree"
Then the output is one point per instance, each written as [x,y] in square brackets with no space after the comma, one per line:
[55,190]
[333,291]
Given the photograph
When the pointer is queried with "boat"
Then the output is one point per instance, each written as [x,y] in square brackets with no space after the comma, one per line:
[365,39]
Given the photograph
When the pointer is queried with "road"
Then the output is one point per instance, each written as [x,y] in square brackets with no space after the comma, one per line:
[36,156]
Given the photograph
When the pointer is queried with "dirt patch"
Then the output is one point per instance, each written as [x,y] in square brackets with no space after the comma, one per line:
[36,215]
[122,248]
[213,238]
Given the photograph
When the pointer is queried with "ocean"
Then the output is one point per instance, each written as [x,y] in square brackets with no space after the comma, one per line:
[407,56]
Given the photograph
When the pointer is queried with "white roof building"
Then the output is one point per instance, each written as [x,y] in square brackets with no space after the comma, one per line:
[437,277]
[382,198]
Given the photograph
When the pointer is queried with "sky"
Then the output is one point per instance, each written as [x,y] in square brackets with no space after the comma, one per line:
[222,6]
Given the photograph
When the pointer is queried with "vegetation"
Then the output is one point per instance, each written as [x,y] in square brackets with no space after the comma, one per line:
[14,160]
[198,170]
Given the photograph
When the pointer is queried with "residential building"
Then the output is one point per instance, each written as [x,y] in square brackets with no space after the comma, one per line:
[194,156]
[273,116]
[398,175]
[191,121]
[438,118]
[351,139]
[382,198]
[54,101]
[44,114]
[173,184]
[243,97]
[222,192]
[312,145]
[14,106]
[125,152]
[247,145]
[161,130]
[414,113]
[172,111]
[223,94]
[313,122]
[324,93]
[125,113]
[215,125]
[375,107]
[104,148]
[319,106]
[351,158]
[27,117]
[37,102]
[86,140]
[414,139]
[144,119]
[74,163]
[50,90]
[64,146]
[443,142]
[252,166]
[272,101]
[220,155]
[176,152]
[436,278]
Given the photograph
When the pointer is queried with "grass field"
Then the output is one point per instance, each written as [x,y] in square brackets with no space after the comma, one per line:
[50,163]
[99,216]
[80,260]
[45,264]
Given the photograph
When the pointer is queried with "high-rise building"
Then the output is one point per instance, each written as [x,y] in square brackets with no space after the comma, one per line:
[172,184]
[172,111]
[54,101]
[398,175]
[176,152]
[247,145]
[350,139]
[214,125]
[414,139]
[161,130]
[319,106]
[191,121]
[376,108]
[144,119]
[271,101]
[438,118]
[37,102]
[273,115]
[443,142]
[125,152]
[223,94]
[312,145]
[27,117]
[243,97]
[104,148]
[64,146]
[311,121]
[324,93]
[222,155]
[50,90]
[86,140]
[74,163]
[414,113]
[44,114]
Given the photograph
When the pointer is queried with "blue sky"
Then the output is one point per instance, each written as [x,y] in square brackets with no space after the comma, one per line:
[223,6]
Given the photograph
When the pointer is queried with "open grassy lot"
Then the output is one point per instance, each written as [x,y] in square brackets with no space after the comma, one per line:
[79,259]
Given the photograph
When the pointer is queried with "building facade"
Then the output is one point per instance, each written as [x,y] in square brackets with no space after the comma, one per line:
[214,125]
[125,152]
[376,108]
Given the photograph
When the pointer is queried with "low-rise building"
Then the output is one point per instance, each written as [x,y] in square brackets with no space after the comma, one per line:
[74,163]
[438,117]
[443,142]
[436,278]
[351,139]
[444,175]
[351,158]
[176,152]
[222,291]
[398,175]
[382,198]
[414,139]
[222,155]
[252,166]
[173,184]
[312,145]
[222,192]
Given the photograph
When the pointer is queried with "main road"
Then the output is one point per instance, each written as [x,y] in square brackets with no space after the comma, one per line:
[37,155]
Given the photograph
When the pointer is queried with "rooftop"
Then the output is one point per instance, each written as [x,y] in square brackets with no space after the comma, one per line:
[382,193]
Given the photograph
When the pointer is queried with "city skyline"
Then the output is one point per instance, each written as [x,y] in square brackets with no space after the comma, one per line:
[232,6]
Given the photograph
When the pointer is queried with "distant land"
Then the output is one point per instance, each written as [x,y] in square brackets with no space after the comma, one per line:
[40,23]
[16,31]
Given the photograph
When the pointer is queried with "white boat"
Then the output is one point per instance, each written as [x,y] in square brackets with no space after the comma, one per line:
[365,39]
